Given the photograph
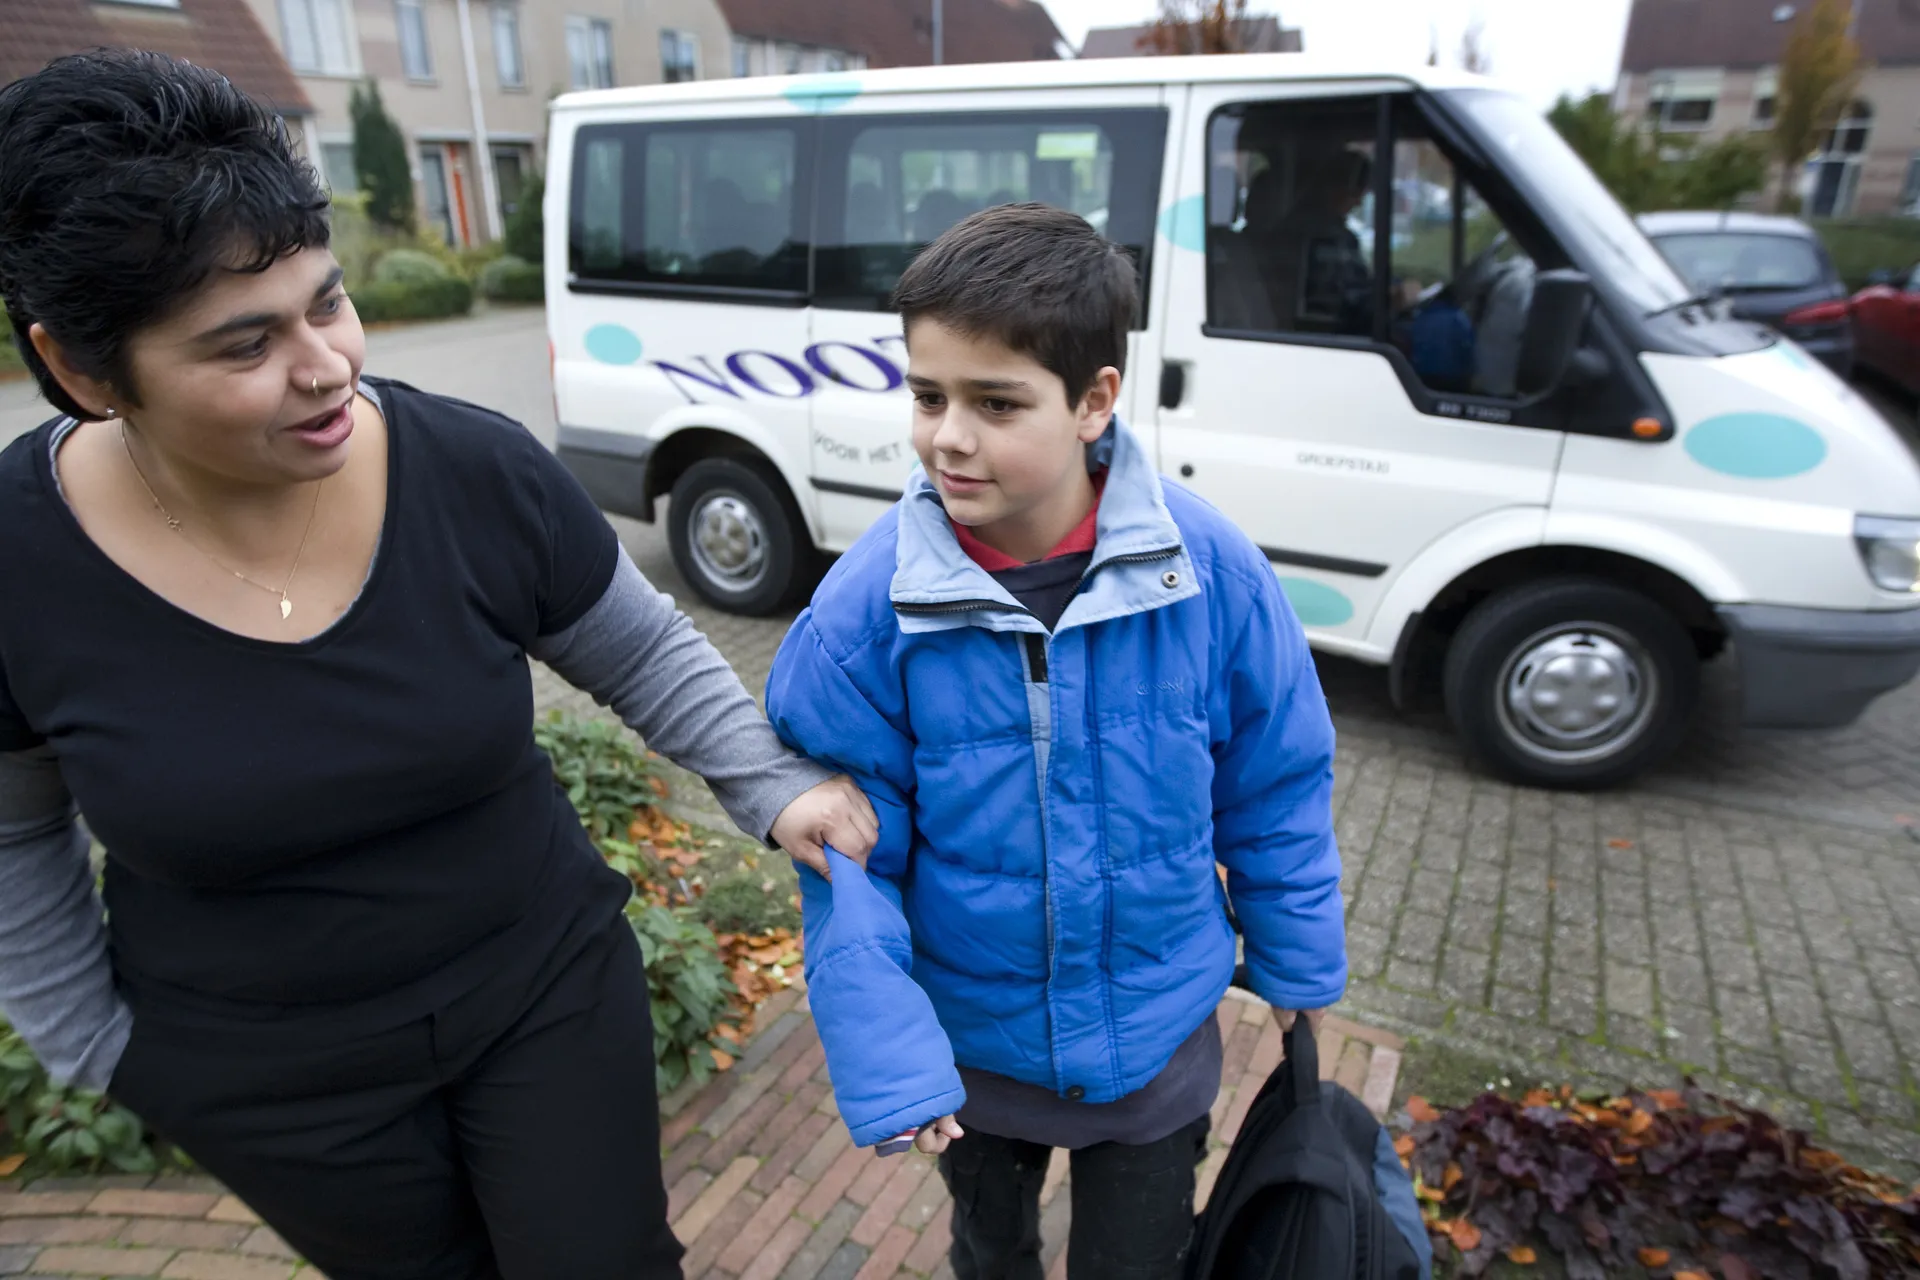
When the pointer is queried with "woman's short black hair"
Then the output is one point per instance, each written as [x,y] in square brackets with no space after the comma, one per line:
[1039,279]
[126,180]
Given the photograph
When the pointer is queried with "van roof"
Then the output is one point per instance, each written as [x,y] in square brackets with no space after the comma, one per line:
[1065,73]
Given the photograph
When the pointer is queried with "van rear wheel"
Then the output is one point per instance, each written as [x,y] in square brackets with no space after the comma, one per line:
[1571,683]
[737,537]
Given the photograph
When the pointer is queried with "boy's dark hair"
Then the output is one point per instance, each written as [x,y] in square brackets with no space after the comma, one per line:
[1039,279]
[126,179]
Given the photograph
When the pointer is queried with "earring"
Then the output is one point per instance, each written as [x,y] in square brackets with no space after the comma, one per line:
[112,412]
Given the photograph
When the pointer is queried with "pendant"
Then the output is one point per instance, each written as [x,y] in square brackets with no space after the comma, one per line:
[286,608]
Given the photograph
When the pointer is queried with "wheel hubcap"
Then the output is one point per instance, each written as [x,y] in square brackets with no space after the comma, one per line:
[729,542]
[1577,692]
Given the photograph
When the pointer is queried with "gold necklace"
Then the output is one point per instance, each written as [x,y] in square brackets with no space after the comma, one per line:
[286,605]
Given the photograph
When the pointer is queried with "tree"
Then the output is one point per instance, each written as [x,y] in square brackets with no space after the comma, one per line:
[1648,170]
[1198,26]
[380,158]
[1819,70]
[1473,49]
[526,229]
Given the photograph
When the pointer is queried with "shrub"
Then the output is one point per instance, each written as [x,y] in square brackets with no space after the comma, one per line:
[410,266]
[380,159]
[512,279]
[749,901]
[432,300]
[1861,246]
[46,1129]
[526,227]
[689,988]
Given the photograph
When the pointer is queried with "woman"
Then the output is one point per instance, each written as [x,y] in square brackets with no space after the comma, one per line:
[267,625]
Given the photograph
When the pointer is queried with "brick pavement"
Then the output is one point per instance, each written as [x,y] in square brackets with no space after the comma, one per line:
[764,1183]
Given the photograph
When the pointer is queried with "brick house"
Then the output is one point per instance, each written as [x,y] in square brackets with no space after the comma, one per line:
[784,37]
[1709,67]
[1257,35]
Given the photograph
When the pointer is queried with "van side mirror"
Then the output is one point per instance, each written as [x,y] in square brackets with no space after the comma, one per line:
[1556,319]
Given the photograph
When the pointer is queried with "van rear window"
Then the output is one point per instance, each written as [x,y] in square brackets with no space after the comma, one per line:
[694,205]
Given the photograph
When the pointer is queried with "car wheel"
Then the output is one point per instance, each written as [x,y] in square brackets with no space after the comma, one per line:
[1571,683]
[737,537]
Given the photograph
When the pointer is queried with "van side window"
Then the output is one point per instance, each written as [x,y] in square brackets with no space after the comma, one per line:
[1290,217]
[690,206]
[892,184]
[1461,284]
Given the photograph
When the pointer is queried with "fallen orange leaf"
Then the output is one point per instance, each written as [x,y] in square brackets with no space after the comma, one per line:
[1421,1111]
[1654,1257]
[1640,1123]
[1403,1145]
[1691,1275]
[1522,1255]
[11,1164]
[1451,1178]
[722,1059]
[1537,1098]
[1434,1194]
[1619,844]
[1465,1236]
[1667,1099]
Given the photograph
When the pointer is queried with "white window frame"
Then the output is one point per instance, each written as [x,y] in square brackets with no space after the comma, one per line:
[741,56]
[595,37]
[310,11]
[1668,87]
[321,147]
[686,45]
[1766,88]
[420,72]
[506,18]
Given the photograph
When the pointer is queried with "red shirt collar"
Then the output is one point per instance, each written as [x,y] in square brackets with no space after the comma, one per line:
[1083,538]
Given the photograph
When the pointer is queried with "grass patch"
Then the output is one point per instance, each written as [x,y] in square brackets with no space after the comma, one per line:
[1445,1076]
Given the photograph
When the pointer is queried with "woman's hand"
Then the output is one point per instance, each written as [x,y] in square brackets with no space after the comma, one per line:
[835,813]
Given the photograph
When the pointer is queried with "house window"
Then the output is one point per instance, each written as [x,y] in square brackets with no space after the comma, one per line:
[833,60]
[319,39]
[416,56]
[1766,97]
[590,53]
[1683,101]
[1910,189]
[336,158]
[1835,171]
[742,57]
[789,55]
[506,47]
[679,56]
[511,167]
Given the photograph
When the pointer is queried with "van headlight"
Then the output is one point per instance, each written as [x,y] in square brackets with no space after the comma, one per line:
[1891,551]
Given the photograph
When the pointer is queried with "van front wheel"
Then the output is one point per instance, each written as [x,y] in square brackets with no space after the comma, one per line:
[1571,683]
[736,537]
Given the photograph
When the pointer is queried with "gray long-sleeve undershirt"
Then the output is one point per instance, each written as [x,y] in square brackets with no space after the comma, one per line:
[633,652]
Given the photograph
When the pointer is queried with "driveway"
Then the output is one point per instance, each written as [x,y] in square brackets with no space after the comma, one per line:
[1750,915]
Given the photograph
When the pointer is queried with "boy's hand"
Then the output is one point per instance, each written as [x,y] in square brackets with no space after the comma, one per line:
[835,813]
[936,1137]
[1285,1016]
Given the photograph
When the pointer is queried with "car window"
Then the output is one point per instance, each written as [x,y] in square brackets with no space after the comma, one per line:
[692,205]
[892,184]
[1732,261]
[1913,281]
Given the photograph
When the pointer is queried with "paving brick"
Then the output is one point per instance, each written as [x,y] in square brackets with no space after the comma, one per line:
[891,1198]
[685,1190]
[713,1200]
[833,1184]
[726,1226]
[16,1259]
[827,1148]
[216,1266]
[683,1157]
[931,1250]
[788,1119]
[773,1258]
[157,1204]
[265,1242]
[730,1142]
[230,1209]
[755,1233]
[87,1230]
[887,1255]
[819,1248]
[176,1233]
[703,1104]
[813,1126]
[931,1203]
[878,1171]
[44,1204]
[93,1260]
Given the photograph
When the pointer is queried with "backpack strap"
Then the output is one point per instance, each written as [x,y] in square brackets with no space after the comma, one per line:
[1303,1062]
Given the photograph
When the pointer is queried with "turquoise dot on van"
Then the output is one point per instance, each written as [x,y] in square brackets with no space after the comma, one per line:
[1185,223]
[1792,354]
[822,96]
[1756,446]
[1316,603]
[613,344]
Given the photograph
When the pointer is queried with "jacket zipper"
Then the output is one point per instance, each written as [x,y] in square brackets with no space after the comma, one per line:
[960,606]
[1037,664]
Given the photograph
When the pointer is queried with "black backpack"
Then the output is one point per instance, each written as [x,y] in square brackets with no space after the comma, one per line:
[1300,1196]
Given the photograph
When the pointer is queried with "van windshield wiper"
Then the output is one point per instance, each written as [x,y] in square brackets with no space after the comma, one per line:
[1705,301]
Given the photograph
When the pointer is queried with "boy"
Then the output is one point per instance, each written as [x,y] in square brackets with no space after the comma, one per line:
[1068,689]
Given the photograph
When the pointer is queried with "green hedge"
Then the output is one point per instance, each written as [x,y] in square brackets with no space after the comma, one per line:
[1862,246]
[512,279]
[410,266]
[427,300]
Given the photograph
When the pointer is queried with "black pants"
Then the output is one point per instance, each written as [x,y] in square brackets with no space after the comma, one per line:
[1132,1206]
[514,1135]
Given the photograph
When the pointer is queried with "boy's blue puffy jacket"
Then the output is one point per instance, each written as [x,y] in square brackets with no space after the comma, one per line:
[1043,901]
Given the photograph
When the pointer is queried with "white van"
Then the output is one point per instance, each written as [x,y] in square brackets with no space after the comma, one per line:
[1392,326]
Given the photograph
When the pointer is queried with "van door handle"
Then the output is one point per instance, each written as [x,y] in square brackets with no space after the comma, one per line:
[1173,384]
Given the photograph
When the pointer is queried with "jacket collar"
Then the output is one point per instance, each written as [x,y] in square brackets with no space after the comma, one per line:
[937,586]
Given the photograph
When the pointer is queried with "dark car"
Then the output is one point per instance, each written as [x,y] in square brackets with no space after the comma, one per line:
[1770,269]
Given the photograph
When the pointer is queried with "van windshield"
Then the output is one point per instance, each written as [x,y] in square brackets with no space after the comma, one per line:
[1603,236]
